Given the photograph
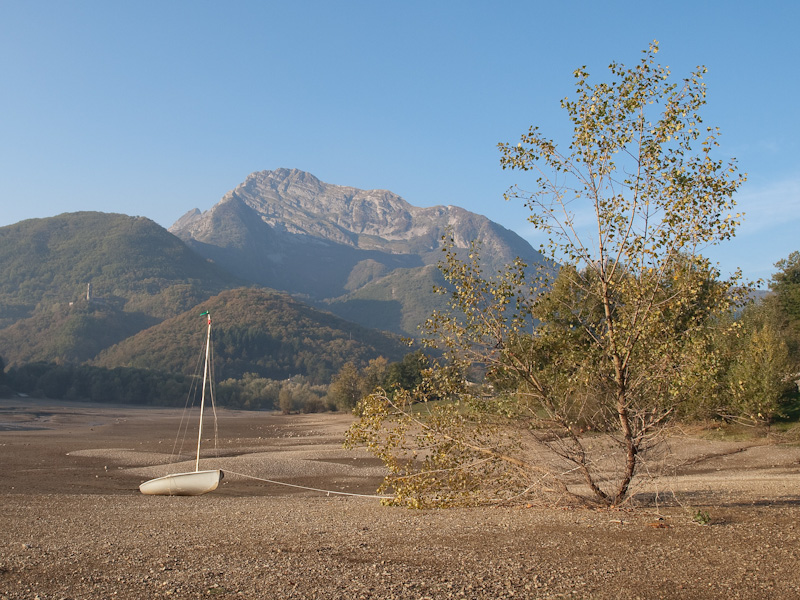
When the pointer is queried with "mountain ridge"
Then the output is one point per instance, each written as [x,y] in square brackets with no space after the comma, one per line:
[289,200]
[288,230]
[366,256]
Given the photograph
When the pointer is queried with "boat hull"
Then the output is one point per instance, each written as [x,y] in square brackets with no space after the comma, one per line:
[183,484]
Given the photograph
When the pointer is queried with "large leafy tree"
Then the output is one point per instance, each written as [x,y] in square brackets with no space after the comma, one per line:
[786,285]
[624,329]
[763,371]
[347,387]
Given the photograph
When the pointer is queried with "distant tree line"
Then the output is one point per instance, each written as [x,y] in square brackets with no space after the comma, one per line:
[128,385]
[122,385]
[351,384]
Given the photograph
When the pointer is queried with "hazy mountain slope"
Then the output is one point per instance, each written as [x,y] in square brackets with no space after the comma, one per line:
[131,262]
[255,331]
[235,236]
[288,230]
[139,274]
[400,301]
[68,334]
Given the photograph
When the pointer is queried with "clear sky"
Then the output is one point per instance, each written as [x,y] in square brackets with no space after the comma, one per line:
[156,107]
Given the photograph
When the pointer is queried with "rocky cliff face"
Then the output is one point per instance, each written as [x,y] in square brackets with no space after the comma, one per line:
[288,230]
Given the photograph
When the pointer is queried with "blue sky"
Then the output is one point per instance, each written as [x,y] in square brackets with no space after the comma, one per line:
[154,108]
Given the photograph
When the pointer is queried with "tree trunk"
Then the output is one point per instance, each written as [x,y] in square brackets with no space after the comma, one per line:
[621,380]
[630,450]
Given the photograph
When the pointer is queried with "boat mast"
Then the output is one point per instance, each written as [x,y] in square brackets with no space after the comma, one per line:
[203,393]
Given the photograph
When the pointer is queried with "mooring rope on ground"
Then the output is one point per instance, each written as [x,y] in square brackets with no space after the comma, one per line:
[303,487]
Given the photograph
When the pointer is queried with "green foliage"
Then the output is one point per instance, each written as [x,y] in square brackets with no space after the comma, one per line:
[758,377]
[374,374]
[351,384]
[347,387]
[761,369]
[286,401]
[406,374]
[785,284]
[249,393]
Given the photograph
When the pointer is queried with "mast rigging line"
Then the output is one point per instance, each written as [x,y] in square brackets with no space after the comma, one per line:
[303,487]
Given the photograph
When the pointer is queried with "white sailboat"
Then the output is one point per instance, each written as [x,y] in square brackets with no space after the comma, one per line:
[195,482]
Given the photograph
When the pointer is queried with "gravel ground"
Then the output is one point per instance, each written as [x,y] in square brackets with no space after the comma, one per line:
[73,524]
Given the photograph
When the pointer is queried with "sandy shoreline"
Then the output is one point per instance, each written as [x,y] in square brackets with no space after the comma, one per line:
[73,524]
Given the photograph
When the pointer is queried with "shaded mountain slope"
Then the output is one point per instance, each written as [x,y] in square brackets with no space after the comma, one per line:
[255,331]
[131,262]
[68,334]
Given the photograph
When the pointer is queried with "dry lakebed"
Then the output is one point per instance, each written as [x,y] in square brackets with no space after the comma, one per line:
[74,525]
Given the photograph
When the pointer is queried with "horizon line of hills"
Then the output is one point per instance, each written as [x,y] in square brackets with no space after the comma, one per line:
[301,277]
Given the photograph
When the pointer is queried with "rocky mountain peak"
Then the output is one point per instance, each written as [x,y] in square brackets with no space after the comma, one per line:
[297,202]
[288,230]
[302,204]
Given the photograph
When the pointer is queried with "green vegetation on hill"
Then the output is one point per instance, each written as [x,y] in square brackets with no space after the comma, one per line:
[135,337]
[398,301]
[255,331]
[132,264]
[69,334]
[139,274]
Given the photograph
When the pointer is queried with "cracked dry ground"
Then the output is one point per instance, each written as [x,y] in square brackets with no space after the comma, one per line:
[73,524]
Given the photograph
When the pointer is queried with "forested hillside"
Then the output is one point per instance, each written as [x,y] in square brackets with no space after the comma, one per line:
[69,333]
[131,263]
[139,274]
[256,331]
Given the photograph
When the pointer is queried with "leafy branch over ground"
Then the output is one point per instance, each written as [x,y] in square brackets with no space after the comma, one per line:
[585,366]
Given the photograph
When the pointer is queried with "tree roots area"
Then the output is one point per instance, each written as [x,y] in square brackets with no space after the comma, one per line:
[723,524]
